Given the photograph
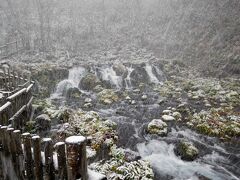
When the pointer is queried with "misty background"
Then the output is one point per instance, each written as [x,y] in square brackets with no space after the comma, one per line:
[203,32]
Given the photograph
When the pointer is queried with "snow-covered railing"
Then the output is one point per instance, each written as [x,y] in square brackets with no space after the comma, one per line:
[36,158]
[16,98]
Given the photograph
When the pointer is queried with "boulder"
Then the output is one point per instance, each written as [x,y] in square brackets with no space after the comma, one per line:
[144,97]
[157,126]
[73,93]
[139,75]
[187,151]
[89,82]
[119,68]
[43,124]
[107,96]
[177,115]
[168,118]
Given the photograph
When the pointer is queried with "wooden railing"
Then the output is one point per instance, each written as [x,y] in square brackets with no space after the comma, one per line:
[34,158]
[9,49]
[16,98]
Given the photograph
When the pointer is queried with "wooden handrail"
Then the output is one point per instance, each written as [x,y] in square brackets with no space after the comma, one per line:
[10,98]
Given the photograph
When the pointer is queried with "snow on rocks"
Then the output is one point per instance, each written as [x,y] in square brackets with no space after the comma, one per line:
[157,126]
[168,118]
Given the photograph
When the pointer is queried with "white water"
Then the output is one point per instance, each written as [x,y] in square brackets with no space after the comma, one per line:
[108,74]
[152,77]
[160,73]
[127,80]
[162,157]
[74,77]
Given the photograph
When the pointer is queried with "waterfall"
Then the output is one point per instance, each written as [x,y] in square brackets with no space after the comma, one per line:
[152,77]
[160,73]
[74,77]
[127,80]
[108,74]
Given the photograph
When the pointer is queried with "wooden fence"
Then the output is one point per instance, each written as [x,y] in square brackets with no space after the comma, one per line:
[10,49]
[16,98]
[36,158]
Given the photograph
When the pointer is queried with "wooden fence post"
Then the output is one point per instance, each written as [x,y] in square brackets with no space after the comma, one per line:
[1,138]
[76,158]
[61,156]
[28,155]
[48,152]
[38,169]
[4,137]
[19,154]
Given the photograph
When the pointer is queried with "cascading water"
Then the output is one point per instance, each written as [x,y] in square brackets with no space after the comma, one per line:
[167,164]
[74,77]
[152,77]
[127,80]
[163,159]
[108,74]
[160,74]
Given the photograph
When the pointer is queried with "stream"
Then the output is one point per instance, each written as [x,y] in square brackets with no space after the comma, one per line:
[217,160]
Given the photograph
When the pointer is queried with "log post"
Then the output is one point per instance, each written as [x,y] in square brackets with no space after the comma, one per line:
[28,155]
[38,169]
[61,156]
[1,138]
[11,144]
[76,158]
[4,139]
[48,152]
[19,154]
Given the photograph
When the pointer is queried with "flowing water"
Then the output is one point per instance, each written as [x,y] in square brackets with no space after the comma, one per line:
[215,160]
[74,77]
[127,80]
[108,74]
[152,77]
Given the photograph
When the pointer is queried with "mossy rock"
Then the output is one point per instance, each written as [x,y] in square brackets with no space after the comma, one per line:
[187,151]
[204,128]
[107,96]
[89,82]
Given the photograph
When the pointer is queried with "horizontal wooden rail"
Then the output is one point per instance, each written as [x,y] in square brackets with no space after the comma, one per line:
[19,93]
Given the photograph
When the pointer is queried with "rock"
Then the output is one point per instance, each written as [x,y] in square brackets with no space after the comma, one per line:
[144,97]
[168,118]
[89,82]
[43,124]
[73,93]
[137,91]
[131,155]
[167,112]
[128,98]
[88,100]
[107,101]
[157,126]
[161,101]
[187,151]
[110,124]
[133,102]
[139,75]
[107,96]
[119,68]
[177,115]
[88,105]
[98,88]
